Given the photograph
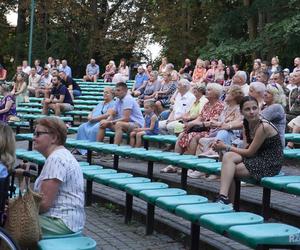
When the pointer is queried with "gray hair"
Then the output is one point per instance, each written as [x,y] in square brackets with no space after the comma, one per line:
[242,74]
[185,83]
[258,87]
[216,87]
[155,74]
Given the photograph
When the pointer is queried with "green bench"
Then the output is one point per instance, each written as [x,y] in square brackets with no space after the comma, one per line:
[70,243]
[293,137]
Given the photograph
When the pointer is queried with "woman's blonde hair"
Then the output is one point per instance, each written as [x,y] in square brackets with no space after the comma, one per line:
[277,92]
[7,146]
[237,93]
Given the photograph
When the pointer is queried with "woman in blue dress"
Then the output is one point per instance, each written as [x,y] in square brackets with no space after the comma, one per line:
[89,130]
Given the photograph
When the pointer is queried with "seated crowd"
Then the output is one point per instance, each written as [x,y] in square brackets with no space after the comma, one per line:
[215,110]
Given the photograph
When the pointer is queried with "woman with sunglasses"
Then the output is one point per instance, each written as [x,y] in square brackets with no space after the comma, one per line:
[60,181]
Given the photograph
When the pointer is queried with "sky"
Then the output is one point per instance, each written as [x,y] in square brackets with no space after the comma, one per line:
[152,49]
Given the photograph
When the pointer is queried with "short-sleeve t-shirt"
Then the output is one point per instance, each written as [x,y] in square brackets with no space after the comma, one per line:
[69,81]
[62,90]
[128,102]
[69,202]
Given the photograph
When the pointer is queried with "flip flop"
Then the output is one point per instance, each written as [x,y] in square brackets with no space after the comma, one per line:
[169,169]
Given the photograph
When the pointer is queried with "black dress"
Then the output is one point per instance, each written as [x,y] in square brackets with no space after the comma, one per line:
[268,159]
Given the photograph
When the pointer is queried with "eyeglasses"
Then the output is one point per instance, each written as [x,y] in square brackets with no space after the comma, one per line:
[38,133]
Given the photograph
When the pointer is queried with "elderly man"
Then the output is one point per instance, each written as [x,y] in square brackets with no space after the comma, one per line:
[183,102]
[125,116]
[294,98]
[187,68]
[140,78]
[297,64]
[65,68]
[92,71]
[240,78]
[60,99]
[33,82]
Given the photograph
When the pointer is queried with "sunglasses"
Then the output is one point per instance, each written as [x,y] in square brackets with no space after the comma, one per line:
[38,133]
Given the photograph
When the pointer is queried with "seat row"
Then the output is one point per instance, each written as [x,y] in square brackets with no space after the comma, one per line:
[244,227]
[287,184]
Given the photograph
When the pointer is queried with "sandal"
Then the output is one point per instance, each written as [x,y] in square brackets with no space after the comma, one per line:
[169,169]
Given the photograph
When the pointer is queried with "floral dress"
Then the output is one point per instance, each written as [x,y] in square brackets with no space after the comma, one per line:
[5,116]
[208,113]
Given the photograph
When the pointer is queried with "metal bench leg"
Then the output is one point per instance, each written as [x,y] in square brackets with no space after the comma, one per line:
[89,156]
[89,192]
[195,232]
[266,203]
[30,145]
[146,144]
[116,162]
[237,194]
[183,178]
[128,208]
[150,219]
[150,170]
[111,140]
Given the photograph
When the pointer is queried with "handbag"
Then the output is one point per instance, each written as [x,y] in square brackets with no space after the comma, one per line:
[23,217]
[197,128]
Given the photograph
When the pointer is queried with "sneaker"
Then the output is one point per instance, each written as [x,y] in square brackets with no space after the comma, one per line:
[222,199]
[195,174]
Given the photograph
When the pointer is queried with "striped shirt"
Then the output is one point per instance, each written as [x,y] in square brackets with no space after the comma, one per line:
[69,202]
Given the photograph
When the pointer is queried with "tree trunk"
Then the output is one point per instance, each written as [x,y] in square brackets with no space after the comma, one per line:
[21,31]
[252,25]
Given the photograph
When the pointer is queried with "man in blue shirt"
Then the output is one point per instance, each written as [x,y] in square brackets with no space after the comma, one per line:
[124,117]
[60,99]
[65,68]
[92,71]
[140,79]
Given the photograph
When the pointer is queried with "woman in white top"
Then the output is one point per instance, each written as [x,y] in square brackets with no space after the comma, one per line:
[60,182]
[123,72]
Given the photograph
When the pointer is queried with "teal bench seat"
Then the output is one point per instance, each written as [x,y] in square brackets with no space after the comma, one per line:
[220,223]
[71,243]
[123,182]
[193,212]
[265,234]
[105,178]
[279,183]
[170,203]
[293,188]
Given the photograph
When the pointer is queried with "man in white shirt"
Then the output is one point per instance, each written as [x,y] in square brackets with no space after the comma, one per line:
[183,102]
[25,68]
[240,78]
[33,82]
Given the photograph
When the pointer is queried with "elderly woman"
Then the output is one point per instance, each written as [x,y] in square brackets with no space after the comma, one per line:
[273,110]
[60,182]
[163,96]
[199,71]
[200,127]
[110,71]
[89,130]
[257,90]
[222,129]
[7,103]
[149,88]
